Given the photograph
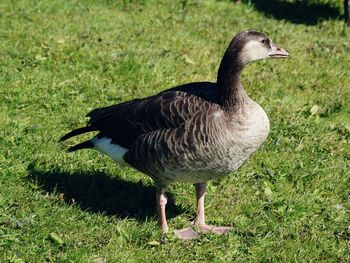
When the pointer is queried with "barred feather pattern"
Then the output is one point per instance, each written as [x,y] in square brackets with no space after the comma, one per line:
[209,144]
[182,135]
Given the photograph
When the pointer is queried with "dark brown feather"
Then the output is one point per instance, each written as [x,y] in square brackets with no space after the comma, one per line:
[170,109]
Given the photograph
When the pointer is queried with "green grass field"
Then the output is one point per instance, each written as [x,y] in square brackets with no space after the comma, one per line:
[60,59]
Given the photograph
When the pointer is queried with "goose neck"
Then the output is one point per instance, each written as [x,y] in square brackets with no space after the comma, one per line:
[229,82]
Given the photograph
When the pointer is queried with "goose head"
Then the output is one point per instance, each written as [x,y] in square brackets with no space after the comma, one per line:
[244,48]
[252,45]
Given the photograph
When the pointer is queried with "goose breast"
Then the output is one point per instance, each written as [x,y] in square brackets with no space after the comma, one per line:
[249,131]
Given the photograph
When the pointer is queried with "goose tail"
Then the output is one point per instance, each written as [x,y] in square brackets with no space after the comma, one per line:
[84,145]
[76,132]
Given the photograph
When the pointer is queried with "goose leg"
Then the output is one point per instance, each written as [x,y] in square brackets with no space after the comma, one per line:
[161,200]
[200,218]
[188,233]
[184,234]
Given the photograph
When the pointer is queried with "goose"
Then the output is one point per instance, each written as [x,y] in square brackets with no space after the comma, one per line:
[191,133]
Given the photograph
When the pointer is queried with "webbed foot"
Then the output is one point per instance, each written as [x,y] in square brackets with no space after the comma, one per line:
[186,233]
[219,230]
[189,233]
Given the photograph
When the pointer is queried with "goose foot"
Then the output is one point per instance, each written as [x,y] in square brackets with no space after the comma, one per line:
[218,230]
[189,233]
[186,233]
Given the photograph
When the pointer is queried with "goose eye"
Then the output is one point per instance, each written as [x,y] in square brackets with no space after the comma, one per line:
[263,40]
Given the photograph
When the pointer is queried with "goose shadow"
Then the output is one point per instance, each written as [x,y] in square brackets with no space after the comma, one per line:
[298,12]
[97,192]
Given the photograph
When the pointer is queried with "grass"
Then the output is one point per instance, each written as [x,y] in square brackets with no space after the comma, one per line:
[60,59]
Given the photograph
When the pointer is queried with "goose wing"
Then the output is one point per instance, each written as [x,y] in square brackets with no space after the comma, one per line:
[171,109]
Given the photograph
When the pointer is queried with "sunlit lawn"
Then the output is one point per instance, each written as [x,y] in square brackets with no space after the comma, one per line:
[60,59]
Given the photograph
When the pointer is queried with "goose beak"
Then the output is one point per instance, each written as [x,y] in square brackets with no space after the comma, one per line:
[277,52]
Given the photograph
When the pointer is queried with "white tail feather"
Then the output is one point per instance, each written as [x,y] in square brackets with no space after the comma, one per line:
[115,151]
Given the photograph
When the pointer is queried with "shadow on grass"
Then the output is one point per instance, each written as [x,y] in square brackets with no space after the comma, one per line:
[299,12]
[97,192]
